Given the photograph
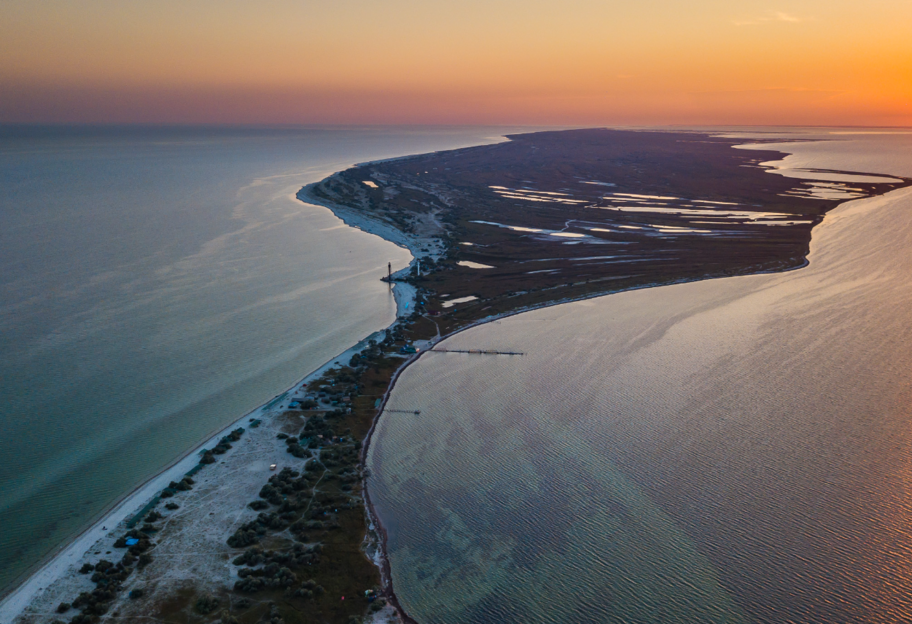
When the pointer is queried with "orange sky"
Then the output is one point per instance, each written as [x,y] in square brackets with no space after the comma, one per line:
[835,62]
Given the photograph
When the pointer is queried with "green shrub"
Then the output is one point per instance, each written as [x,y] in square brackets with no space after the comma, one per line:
[206,605]
[227,618]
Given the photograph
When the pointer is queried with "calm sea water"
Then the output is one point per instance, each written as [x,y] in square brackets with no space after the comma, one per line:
[156,284]
[736,450]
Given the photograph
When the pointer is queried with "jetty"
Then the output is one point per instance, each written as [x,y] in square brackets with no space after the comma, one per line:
[477,351]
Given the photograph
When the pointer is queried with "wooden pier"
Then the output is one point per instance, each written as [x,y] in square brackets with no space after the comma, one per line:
[477,351]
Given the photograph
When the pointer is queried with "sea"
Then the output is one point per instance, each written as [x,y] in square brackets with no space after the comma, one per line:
[731,450]
[156,284]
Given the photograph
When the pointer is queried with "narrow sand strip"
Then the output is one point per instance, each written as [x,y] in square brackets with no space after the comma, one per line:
[65,561]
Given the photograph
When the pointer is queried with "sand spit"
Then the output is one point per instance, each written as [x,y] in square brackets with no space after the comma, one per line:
[217,504]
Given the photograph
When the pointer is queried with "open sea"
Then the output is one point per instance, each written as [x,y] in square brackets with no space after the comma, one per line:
[733,450]
[155,285]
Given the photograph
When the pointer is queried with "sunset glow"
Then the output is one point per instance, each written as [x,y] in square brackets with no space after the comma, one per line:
[577,62]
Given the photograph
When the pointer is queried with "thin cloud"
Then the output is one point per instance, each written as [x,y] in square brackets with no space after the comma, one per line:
[772,91]
[785,17]
[778,16]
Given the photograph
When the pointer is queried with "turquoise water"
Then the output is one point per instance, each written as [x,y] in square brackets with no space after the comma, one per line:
[156,284]
[722,451]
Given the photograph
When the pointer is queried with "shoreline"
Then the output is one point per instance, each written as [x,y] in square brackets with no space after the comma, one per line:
[54,566]
[374,522]
[57,563]
[360,221]
[845,209]
[373,226]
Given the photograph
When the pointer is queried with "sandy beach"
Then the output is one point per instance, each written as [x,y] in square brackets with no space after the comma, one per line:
[57,577]
[420,244]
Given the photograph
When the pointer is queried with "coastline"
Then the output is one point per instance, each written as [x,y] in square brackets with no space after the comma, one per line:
[405,294]
[56,564]
[846,209]
[360,221]
[373,226]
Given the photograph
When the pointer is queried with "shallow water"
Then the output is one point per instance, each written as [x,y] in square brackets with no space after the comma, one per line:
[158,283]
[723,451]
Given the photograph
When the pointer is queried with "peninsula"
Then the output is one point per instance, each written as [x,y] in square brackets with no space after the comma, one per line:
[271,520]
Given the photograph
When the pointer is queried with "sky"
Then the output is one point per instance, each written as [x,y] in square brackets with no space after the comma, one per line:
[573,62]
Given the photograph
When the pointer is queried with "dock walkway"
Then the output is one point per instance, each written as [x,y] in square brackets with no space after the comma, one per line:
[477,351]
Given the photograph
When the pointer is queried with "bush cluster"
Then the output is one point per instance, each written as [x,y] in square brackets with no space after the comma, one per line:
[206,605]
[226,618]
[183,485]
[309,590]
[109,577]
[275,572]
[223,445]
[272,616]
[295,448]
[272,575]
[250,532]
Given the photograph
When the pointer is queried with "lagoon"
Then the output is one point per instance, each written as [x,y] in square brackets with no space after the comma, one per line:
[722,451]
